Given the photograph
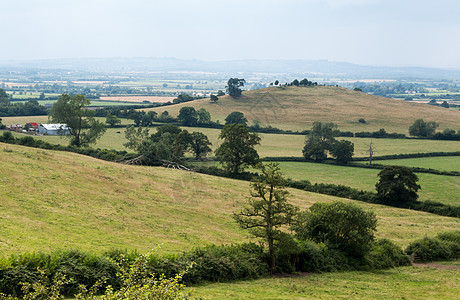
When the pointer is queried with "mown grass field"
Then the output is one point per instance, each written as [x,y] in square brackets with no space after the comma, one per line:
[398,283]
[56,200]
[272,145]
[297,108]
[451,163]
[439,188]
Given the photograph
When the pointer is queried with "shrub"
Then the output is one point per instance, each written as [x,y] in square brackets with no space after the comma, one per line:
[385,254]
[428,249]
[342,226]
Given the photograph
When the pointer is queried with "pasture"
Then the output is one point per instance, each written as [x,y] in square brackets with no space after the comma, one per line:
[398,283]
[56,200]
[438,188]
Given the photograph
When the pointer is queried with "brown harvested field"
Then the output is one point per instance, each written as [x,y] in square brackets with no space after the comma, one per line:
[297,108]
[139,99]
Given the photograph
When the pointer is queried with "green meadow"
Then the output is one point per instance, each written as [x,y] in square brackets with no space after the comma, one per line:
[398,283]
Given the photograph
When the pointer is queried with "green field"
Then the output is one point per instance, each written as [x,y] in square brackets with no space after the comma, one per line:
[448,163]
[56,200]
[439,188]
[398,283]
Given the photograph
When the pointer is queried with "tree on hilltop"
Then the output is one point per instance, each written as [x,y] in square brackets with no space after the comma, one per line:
[233,87]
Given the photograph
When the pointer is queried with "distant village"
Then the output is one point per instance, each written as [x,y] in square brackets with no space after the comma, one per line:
[40,129]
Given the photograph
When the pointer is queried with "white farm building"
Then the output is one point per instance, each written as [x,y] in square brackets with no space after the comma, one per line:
[54,129]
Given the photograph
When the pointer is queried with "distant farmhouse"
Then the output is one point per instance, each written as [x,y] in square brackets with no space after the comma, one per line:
[54,129]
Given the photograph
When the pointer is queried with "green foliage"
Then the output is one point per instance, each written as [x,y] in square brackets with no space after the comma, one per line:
[4,99]
[236,117]
[233,87]
[422,128]
[322,140]
[343,151]
[214,98]
[397,185]
[445,246]
[199,144]
[204,117]
[237,150]
[188,116]
[342,226]
[2,126]
[71,110]
[385,254]
[268,209]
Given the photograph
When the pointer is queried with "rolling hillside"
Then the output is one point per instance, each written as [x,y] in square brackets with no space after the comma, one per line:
[55,200]
[297,107]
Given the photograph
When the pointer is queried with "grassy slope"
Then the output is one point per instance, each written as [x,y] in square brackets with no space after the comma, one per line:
[398,283]
[51,199]
[297,107]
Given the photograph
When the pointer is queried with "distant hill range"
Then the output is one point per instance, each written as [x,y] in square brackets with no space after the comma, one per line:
[310,68]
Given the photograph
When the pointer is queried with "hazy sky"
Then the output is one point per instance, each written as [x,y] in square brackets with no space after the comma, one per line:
[371,32]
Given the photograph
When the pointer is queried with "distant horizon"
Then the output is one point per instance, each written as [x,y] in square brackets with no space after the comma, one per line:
[410,33]
[226,60]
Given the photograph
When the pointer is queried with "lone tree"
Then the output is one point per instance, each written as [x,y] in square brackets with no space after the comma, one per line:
[236,117]
[342,226]
[237,151]
[397,186]
[233,87]
[214,98]
[267,210]
[320,141]
[422,128]
[72,111]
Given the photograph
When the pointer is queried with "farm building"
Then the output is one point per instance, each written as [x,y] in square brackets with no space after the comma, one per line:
[53,129]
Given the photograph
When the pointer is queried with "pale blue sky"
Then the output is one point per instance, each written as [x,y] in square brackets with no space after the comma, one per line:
[371,32]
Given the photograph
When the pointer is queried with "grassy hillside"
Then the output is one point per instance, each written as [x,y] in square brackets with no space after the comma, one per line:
[51,200]
[297,107]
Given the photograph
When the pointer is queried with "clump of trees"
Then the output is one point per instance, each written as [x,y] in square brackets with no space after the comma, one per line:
[345,230]
[168,143]
[321,141]
[422,128]
[83,127]
[188,116]
[233,87]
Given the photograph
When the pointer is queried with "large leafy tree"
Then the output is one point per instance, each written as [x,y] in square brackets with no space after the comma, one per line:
[72,111]
[188,116]
[237,151]
[343,151]
[199,144]
[267,210]
[236,117]
[320,141]
[397,185]
[342,226]
[233,87]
